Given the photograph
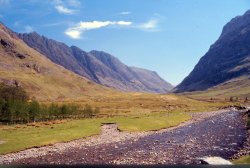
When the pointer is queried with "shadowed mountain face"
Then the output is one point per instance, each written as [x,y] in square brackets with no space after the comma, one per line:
[227,59]
[97,66]
[70,58]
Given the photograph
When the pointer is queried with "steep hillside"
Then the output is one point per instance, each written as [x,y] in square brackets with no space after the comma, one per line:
[227,59]
[129,78]
[60,54]
[97,66]
[22,65]
[151,79]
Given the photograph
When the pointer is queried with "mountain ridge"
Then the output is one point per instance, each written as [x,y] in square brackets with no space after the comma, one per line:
[226,59]
[40,77]
[98,66]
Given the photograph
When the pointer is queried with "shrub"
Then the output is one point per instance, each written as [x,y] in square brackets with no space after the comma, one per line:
[88,111]
[12,93]
[34,110]
[15,108]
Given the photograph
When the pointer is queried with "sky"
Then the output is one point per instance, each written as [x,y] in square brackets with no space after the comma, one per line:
[166,36]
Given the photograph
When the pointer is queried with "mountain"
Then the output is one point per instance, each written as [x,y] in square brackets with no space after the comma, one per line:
[97,66]
[40,77]
[131,78]
[227,61]
[151,79]
[60,53]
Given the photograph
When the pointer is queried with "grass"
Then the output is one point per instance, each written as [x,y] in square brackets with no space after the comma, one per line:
[242,160]
[150,122]
[17,138]
[131,111]
[20,138]
[239,87]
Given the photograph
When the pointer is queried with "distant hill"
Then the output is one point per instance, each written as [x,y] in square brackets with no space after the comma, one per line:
[41,78]
[98,66]
[226,62]
[151,80]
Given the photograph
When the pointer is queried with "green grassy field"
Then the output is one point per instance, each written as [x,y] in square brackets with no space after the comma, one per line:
[150,122]
[242,160]
[131,111]
[16,138]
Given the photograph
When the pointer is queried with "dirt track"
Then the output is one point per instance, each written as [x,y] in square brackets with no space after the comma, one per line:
[207,134]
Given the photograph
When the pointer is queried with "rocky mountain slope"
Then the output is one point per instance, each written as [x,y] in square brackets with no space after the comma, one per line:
[152,79]
[98,66]
[226,62]
[22,65]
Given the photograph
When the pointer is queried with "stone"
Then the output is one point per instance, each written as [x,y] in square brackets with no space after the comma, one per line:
[5,43]
[21,56]
[214,161]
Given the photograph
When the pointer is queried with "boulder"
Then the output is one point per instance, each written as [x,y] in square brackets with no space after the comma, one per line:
[214,161]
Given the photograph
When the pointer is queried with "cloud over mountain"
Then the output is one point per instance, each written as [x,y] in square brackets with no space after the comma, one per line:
[76,30]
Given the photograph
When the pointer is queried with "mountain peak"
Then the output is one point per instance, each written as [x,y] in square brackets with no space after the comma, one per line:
[226,60]
[236,23]
[100,53]
[98,66]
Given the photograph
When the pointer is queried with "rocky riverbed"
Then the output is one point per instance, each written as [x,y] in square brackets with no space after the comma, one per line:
[221,133]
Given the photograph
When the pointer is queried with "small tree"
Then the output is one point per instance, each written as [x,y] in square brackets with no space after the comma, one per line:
[53,110]
[64,110]
[88,111]
[2,105]
[12,93]
[34,110]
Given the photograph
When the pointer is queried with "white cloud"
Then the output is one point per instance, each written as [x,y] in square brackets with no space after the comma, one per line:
[125,13]
[76,31]
[68,7]
[122,23]
[151,25]
[28,29]
[75,34]
[64,10]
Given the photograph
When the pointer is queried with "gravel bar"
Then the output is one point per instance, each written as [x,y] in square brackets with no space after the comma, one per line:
[220,133]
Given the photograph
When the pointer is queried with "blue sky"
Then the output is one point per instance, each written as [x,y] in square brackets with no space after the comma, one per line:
[167,36]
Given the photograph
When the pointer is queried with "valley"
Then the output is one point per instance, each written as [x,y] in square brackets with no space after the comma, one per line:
[60,104]
[183,144]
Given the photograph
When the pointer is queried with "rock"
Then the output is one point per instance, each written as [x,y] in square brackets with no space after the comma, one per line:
[6,43]
[36,68]
[214,161]
[21,56]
